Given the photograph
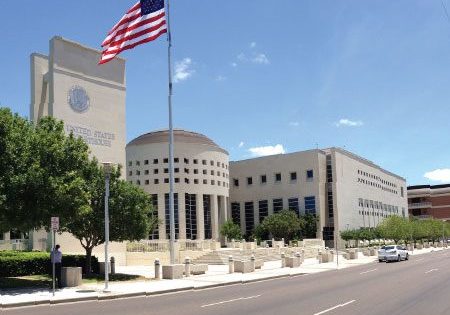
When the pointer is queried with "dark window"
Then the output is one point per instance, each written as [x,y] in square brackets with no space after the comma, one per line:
[236,182]
[205,172]
[138,182]
[186,161]
[130,173]
[205,181]
[130,163]
[236,212]
[167,215]
[263,179]
[155,232]
[204,162]
[147,182]
[195,181]
[211,162]
[195,161]
[249,180]
[195,171]
[176,170]
[330,204]
[309,174]
[249,217]
[166,170]
[145,162]
[177,180]
[166,160]
[263,208]
[186,180]
[166,180]
[277,205]
[330,170]
[155,171]
[138,163]
[186,170]
[310,205]
[293,176]
[293,205]
[207,216]
[176,160]
[191,216]
[278,177]
[146,172]
[156,181]
[155,161]
[138,172]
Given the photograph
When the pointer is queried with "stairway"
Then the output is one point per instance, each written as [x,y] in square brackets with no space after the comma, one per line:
[220,257]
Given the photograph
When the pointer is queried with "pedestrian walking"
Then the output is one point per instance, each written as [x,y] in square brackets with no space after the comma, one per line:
[56,258]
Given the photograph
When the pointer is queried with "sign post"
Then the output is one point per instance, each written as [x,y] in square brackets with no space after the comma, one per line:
[55,227]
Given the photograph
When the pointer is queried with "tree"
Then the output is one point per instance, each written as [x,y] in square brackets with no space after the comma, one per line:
[309,226]
[284,224]
[347,236]
[231,230]
[131,214]
[395,228]
[40,172]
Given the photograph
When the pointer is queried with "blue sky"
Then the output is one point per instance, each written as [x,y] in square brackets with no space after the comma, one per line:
[261,76]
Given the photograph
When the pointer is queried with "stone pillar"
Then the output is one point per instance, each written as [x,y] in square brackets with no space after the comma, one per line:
[157,269]
[283,260]
[223,210]
[200,218]
[181,215]
[214,217]
[187,266]
[161,217]
[230,264]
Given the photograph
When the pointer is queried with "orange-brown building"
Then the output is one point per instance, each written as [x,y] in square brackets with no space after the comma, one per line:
[427,201]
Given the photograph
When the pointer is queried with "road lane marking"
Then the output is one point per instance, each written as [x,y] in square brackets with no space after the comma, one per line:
[371,270]
[233,300]
[335,307]
[431,270]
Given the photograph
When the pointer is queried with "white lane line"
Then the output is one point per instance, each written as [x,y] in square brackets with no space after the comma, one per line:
[431,270]
[233,300]
[335,307]
[371,270]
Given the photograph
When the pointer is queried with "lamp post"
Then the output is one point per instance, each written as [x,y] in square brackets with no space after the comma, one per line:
[107,166]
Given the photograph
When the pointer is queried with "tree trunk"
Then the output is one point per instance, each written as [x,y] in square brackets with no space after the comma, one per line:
[88,266]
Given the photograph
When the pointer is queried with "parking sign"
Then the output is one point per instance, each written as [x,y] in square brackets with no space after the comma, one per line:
[55,223]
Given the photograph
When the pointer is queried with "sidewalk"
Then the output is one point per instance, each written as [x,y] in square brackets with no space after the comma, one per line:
[217,275]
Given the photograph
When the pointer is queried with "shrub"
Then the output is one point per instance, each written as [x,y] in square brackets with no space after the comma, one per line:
[17,263]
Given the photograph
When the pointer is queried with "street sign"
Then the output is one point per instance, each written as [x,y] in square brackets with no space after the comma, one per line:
[55,223]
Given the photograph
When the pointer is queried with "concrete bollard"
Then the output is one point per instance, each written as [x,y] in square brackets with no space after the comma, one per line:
[320,257]
[283,260]
[187,266]
[157,269]
[230,264]
[113,265]
[252,259]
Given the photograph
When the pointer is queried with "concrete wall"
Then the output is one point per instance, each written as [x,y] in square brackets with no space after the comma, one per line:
[148,258]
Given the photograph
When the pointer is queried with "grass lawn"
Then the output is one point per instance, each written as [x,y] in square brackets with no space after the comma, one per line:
[45,281]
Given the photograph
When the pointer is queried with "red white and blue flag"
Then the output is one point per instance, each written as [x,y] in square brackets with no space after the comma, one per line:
[144,22]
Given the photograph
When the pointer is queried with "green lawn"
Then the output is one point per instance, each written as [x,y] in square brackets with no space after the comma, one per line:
[45,281]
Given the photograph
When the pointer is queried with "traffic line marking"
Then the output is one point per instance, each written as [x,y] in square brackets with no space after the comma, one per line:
[371,270]
[431,270]
[335,307]
[233,300]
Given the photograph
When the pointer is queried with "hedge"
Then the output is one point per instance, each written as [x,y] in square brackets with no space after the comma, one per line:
[18,263]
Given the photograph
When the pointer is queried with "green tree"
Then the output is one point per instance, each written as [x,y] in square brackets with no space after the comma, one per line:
[231,230]
[131,215]
[347,236]
[284,224]
[40,172]
[309,226]
[395,228]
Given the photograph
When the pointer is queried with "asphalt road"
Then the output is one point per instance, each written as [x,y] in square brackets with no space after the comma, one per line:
[419,286]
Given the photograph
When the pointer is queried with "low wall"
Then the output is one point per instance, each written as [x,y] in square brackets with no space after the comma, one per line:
[148,258]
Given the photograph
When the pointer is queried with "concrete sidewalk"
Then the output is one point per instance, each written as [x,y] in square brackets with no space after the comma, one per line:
[217,275]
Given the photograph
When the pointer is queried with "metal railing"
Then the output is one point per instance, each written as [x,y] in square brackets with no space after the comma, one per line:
[418,205]
[163,245]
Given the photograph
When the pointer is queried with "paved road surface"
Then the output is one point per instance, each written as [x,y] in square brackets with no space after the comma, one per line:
[420,286]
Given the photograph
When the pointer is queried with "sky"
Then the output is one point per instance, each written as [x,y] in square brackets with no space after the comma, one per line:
[262,77]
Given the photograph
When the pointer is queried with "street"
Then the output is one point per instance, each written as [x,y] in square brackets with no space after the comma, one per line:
[417,287]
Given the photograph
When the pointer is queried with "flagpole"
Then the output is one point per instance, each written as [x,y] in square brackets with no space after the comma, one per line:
[171,179]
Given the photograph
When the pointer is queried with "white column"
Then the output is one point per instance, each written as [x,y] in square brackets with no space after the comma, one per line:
[161,217]
[200,218]
[214,217]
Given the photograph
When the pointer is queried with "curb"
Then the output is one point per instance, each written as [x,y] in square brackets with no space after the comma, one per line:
[74,299]
[114,296]
[151,293]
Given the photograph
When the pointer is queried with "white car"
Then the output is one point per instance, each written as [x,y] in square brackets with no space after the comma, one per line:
[392,253]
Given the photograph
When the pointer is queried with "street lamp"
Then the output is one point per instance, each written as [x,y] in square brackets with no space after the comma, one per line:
[107,167]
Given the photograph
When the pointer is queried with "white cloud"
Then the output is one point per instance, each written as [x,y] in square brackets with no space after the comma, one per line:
[260,59]
[234,64]
[252,45]
[241,57]
[439,175]
[241,144]
[294,124]
[349,123]
[267,150]
[221,78]
[183,70]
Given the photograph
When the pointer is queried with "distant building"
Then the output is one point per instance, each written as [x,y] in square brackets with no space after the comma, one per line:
[346,191]
[201,181]
[427,201]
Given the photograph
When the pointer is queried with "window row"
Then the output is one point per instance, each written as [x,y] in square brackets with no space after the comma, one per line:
[373,184]
[177,170]
[377,205]
[196,181]
[177,160]
[276,178]
[378,178]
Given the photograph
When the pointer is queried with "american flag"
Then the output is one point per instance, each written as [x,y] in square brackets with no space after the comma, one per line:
[144,22]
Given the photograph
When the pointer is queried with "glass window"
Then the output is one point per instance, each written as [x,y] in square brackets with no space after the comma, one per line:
[146,172]
[155,171]
[145,162]
[130,163]
[195,181]
[236,182]
[155,161]
[195,171]
[176,160]
[278,177]
[138,163]
[249,180]
[205,172]
[147,182]
[167,215]
[166,160]
[130,173]
[186,161]
[236,213]
[195,161]
[166,170]
[186,170]
[309,174]
[204,162]
[156,181]
[166,180]
[293,176]
[310,205]
[263,208]
[176,169]
[249,217]
[263,179]
[277,205]
[177,180]
[293,205]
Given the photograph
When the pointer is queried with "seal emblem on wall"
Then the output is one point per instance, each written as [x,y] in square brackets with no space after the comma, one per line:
[78,99]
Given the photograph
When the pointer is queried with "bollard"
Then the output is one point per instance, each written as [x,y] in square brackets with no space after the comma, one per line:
[252,259]
[113,265]
[283,260]
[157,269]
[187,266]
[230,264]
